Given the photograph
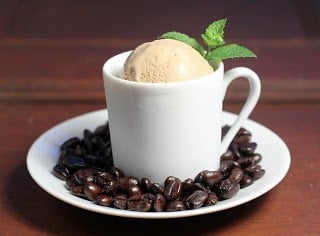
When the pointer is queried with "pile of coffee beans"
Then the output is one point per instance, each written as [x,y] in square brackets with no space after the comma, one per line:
[87,167]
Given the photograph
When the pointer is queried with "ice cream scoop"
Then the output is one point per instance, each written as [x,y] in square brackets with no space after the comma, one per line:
[165,60]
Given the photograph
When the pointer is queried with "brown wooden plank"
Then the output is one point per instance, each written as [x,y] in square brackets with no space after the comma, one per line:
[60,19]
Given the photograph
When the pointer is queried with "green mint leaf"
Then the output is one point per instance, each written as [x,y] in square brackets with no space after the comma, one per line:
[214,33]
[229,51]
[184,38]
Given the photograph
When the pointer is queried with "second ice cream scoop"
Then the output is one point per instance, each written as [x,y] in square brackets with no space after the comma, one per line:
[165,60]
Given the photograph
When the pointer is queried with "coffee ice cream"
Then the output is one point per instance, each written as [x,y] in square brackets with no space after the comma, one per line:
[165,60]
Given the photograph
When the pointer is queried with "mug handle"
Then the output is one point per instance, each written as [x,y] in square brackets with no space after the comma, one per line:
[252,99]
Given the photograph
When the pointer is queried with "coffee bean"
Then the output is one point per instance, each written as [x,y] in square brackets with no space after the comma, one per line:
[173,188]
[188,186]
[61,172]
[196,199]
[247,149]
[228,155]
[70,143]
[243,136]
[139,203]
[156,188]
[227,166]
[227,189]
[74,162]
[120,201]
[110,187]
[176,206]
[236,175]
[246,181]
[159,203]
[209,178]
[78,190]
[145,184]
[115,172]
[91,191]
[104,200]
[212,199]
[134,190]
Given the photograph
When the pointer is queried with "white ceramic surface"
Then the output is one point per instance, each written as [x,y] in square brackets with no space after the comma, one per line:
[44,153]
[150,123]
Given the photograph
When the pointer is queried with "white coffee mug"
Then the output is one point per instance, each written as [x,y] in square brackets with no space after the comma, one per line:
[163,129]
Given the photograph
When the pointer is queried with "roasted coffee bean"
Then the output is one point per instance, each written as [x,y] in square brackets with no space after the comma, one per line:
[212,199]
[227,166]
[88,145]
[243,136]
[227,189]
[246,181]
[110,188]
[196,199]
[134,190]
[71,182]
[70,143]
[176,206]
[187,186]
[253,168]
[115,172]
[78,190]
[245,162]
[83,176]
[145,184]
[255,158]
[236,175]
[104,200]
[200,186]
[74,162]
[173,188]
[120,201]
[88,134]
[209,178]
[258,174]
[159,203]
[247,149]
[98,161]
[79,151]
[61,172]
[139,203]
[156,188]
[228,155]
[234,148]
[103,177]
[91,191]
[127,181]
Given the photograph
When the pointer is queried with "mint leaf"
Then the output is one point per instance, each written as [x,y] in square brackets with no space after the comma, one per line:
[229,51]
[214,33]
[184,38]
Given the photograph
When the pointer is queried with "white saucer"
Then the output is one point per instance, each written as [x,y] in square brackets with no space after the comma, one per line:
[44,153]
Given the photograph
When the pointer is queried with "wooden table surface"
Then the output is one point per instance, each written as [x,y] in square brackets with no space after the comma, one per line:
[51,53]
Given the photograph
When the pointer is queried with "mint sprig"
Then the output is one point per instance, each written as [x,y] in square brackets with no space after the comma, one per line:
[213,39]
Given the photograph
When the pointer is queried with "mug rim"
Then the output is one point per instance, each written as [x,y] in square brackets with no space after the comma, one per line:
[106,70]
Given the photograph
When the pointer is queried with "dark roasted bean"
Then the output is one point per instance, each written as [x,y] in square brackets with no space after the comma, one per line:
[79,151]
[104,200]
[159,203]
[91,191]
[234,148]
[116,172]
[78,190]
[247,149]
[236,175]
[228,155]
[255,158]
[187,186]
[227,166]
[246,181]
[145,184]
[139,203]
[103,177]
[243,136]
[258,174]
[196,199]
[127,181]
[74,162]
[176,206]
[134,190]
[156,188]
[87,134]
[110,188]
[245,162]
[120,201]
[61,172]
[70,143]
[209,178]
[88,145]
[212,199]
[227,189]
[173,188]
[200,186]
[71,182]
[83,176]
